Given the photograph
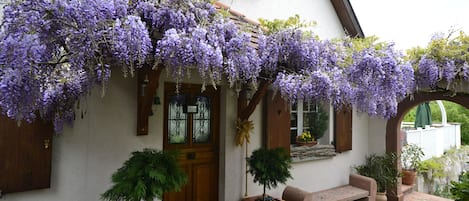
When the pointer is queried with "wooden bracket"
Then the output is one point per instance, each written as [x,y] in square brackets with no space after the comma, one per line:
[246,109]
[148,80]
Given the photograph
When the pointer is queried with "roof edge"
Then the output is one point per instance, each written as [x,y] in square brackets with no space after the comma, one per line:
[235,13]
[347,18]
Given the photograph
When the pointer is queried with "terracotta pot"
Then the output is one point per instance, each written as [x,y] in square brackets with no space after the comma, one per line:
[258,198]
[408,177]
[380,196]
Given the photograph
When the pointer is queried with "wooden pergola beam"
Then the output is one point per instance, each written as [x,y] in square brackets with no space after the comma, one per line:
[245,110]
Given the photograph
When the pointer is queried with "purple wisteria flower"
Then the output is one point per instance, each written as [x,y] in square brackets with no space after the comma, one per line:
[53,52]
[217,49]
[379,79]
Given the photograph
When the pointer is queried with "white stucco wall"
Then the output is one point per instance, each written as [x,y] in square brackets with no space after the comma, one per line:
[85,156]
[321,11]
[377,135]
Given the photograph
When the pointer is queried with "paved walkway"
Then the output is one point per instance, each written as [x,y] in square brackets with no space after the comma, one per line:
[417,196]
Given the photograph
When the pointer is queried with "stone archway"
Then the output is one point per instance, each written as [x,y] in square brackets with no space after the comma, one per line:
[393,125]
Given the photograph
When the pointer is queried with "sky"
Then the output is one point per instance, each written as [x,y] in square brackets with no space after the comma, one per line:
[411,23]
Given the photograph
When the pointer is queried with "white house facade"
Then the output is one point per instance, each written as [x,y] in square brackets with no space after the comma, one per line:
[85,156]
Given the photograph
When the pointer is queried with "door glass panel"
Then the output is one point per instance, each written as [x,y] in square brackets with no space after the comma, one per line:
[177,120]
[201,120]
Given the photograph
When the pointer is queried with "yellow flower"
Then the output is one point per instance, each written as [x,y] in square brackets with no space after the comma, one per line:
[306,137]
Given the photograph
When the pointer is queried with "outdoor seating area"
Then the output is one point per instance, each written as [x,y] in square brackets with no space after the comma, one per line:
[359,187]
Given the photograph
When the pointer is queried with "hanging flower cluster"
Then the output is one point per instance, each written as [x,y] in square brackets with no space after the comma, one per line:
[197,37]
[443,64]
[305,68]
[379,77]
[55,51]
[363,73]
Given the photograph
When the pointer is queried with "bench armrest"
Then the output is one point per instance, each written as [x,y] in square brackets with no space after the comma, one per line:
[294,194]
[366,183]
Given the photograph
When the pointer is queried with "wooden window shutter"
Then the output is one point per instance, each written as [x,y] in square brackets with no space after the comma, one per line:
[25,155]
[276,121]
[343,130]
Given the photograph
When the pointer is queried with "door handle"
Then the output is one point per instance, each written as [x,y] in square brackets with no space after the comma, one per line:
[46,144]
[191,156]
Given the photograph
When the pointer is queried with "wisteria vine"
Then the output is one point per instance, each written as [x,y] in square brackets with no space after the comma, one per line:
[443,64]
[55,51]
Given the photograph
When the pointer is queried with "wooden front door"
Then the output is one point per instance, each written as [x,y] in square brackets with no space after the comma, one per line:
[192,127]
[25,155]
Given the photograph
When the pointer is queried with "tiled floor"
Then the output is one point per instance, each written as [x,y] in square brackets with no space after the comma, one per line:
[417,196]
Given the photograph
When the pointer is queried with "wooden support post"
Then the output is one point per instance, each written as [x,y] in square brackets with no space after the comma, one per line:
[148,80]
[245,110]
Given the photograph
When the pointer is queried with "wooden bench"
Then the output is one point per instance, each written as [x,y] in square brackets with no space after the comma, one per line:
[359,188]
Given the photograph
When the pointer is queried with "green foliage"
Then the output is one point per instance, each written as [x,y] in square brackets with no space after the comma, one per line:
[458,113]
[460,189]
[432,167]
[443,48]
[318,122]
[357,44]
[382,168]
[293,22]
[145,175]
[411,156]
[270,167]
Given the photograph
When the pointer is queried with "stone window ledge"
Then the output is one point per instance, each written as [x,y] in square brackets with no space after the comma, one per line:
[316,152]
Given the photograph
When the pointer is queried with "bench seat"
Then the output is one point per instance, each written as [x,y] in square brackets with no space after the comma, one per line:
[341,193]
[359,188]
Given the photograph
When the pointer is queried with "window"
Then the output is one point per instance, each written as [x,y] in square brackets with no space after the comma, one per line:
[283,123]
[310,117]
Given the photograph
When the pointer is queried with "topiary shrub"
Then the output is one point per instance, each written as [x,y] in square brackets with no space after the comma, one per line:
[269,167]
[146,175]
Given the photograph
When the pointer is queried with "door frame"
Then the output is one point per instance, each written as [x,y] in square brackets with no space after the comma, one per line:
[170,88]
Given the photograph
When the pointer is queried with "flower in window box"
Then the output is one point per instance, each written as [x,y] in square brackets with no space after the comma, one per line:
[306,137]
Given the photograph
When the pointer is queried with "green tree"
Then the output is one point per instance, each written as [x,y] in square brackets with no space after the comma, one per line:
[270,167]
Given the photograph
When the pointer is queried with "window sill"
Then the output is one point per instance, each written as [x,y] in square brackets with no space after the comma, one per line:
[316,152]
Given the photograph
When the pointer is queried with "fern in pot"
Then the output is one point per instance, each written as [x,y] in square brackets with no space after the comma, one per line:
[146,175]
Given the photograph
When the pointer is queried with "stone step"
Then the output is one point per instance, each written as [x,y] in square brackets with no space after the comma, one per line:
[407,189]
[417,196]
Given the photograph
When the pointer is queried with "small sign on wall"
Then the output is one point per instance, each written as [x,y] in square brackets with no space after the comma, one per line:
[190,109]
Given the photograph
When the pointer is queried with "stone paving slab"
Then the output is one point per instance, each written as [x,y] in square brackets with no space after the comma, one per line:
[417,196]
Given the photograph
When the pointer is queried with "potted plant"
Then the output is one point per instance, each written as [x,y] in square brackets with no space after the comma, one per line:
[383,169]
[269,167]
[411,156]
[318,122]
[146,175]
